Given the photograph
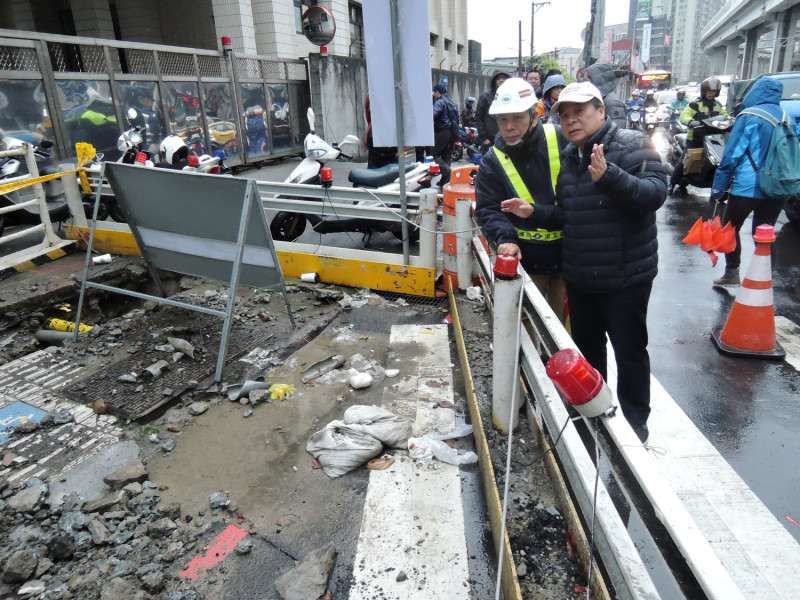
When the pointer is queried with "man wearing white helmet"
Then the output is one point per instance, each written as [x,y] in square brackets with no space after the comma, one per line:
[523,164]
[610,185]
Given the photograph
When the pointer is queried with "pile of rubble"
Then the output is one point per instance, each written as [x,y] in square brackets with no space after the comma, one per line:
[121,545]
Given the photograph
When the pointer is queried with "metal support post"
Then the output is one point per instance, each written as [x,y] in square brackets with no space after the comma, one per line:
[464,242]
[428,203]
[73,195]
[505,380]
[398,112]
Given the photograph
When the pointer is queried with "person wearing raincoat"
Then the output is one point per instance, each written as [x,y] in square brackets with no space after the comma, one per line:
[736,174]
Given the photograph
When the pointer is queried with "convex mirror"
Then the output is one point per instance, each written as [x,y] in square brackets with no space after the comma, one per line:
[319,26]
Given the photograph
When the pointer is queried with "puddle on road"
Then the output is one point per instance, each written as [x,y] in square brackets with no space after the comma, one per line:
[262,460]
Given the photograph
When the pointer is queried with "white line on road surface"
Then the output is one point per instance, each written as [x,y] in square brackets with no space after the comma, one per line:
[413,518]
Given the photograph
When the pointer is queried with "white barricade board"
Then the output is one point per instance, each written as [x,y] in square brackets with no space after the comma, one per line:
[189,223]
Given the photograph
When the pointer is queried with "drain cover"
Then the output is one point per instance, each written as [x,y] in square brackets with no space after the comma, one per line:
[122,399]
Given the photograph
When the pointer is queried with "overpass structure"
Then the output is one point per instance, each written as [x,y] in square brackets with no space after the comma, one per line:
[748,37]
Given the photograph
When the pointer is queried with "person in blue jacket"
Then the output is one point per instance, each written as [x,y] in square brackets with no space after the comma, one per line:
[736,175]
[445,130]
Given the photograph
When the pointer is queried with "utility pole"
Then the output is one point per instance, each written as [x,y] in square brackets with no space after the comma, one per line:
[519,57]
[534,7]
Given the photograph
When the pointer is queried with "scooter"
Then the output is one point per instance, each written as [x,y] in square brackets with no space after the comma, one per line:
[714,130]
[635,117]
[650,120]
[467,140]
[55,198]
[288,226]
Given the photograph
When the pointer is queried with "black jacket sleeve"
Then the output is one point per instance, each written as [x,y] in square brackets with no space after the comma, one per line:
[480,118]
[639,181]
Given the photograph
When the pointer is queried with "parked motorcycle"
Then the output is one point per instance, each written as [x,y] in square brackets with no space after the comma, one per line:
[715,130]
[650,120]
[257,142]
[635,117]
[288,226]
[10,167]
[467,140]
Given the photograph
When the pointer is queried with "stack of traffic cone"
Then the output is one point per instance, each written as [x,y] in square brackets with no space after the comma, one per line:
[750,328]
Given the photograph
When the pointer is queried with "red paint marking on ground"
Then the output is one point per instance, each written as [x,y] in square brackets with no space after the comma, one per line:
[791,520]
[225,542]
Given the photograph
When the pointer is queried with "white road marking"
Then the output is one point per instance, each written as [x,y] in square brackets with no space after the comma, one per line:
[413,518]
[788,335]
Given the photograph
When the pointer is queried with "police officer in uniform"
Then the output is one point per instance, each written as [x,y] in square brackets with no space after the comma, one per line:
[523,163]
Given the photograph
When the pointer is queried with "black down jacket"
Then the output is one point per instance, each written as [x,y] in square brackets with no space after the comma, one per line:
[602,76]
[610,226]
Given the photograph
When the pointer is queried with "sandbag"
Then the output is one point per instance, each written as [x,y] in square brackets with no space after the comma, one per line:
[340,448]
[391,429]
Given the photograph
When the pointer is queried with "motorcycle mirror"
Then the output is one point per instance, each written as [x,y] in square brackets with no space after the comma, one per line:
[310,116]
[45,144]
[319,26]
[132,114]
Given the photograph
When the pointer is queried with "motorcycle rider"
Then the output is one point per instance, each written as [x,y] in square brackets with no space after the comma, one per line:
[635,100]
[468,113]
[484,121]
[649,99]
[523,163]
[676,108]
[705,106]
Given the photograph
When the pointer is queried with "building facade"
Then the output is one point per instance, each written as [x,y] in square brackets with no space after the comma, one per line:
[269,28]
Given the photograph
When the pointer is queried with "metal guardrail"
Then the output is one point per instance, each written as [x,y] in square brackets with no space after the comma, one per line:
[689,551]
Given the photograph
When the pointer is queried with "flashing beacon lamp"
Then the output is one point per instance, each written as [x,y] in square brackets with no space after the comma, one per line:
[505,266]
[323,50]
[226,43]
[579,383]
[141,158]
[434,169]
[193,160]
[326,177]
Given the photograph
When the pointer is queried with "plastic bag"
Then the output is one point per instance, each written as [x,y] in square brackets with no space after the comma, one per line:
[340,448]
[390,429]
[424,449]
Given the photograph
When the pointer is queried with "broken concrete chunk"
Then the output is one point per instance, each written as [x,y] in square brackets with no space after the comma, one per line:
[182,346]
[309,578]
[133,471]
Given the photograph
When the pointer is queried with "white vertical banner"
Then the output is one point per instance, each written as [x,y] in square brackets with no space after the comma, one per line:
[646,30]
[415,69]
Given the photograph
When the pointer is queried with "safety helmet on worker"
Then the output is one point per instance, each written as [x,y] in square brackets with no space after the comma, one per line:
[173,150]
[712,84]
[515,95]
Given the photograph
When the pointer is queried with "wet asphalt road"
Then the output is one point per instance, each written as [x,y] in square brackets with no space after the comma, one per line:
[747,408]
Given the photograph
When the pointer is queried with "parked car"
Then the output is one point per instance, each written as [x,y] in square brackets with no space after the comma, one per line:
[790,101]
[665,98]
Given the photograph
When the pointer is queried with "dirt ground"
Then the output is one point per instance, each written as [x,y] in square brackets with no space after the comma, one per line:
[542,554]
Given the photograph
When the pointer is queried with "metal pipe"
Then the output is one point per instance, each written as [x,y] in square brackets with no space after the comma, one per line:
[21,234]
[428,203]
[20,206]
[464,242]
[398,115]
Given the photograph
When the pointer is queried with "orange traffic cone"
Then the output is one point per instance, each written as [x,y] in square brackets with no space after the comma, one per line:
[750,328]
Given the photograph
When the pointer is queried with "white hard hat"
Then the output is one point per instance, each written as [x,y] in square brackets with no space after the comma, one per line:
[173,149]
[515,96]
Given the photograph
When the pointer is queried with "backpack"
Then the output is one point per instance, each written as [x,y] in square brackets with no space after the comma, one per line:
[779,175]
[452,111]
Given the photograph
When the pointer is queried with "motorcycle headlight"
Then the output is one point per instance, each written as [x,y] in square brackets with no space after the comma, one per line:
[317,153]
[136,138]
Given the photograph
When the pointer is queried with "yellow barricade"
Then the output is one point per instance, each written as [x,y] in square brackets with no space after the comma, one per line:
[85,152]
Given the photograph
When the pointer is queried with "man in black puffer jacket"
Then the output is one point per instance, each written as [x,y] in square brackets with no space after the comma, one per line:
[610,185]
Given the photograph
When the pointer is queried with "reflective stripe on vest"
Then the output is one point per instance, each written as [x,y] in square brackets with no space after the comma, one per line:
[538,235]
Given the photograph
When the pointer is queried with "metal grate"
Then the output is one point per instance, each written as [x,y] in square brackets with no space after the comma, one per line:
[249,67]
[212,66]
[411,299]
[172,63]
[274,70]
[18,59]
[93,59]
[297,71]
[140,62]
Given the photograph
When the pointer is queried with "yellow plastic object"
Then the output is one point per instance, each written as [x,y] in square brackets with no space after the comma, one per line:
[279,391]
[62,325]
[85,153]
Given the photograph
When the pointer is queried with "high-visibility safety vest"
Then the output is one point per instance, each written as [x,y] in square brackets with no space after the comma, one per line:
[536,235]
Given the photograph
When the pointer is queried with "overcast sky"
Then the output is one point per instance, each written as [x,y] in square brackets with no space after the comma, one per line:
[495,24]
